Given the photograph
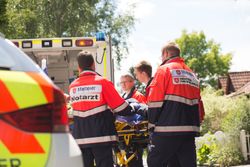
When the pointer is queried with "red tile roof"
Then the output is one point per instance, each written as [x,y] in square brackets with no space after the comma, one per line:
[234,81]
[243,90]
[223,83]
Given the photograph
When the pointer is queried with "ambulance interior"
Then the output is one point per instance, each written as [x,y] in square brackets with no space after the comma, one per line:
[62,65]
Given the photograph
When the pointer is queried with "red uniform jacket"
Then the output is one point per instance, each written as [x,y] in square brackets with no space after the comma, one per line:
[94,102]
[174,100]
[147,88]
[135,94]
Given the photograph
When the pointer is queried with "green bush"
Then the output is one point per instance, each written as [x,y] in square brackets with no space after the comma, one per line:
[238,119]
[216,108]
[203,154]
[226,114]
[205,147]
[229,153]
[218,149]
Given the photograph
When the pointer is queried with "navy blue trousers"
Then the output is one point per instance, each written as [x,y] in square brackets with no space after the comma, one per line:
[102,155]
[165,149]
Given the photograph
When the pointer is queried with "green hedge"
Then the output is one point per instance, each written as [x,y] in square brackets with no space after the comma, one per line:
[226,114]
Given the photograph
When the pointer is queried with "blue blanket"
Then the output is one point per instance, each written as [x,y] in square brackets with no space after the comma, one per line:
[133,119]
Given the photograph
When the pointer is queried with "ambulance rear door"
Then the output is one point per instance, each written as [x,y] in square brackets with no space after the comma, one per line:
[60,56]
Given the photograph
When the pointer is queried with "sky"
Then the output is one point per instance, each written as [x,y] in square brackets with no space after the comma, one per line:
[227,22]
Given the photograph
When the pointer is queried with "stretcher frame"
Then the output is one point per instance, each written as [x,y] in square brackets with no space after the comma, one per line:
[130,137]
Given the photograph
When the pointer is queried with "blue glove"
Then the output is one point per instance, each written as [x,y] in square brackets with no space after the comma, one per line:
[138,108]
[135,106]
[143,110]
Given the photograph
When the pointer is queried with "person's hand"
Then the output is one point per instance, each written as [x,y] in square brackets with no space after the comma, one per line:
[143,110]
[67,97]
[135,106]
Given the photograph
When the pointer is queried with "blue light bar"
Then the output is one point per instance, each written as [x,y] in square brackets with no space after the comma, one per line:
[100,36]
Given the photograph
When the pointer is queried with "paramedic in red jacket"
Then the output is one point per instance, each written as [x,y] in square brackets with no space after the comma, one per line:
[94,102]
[127,83]
[143,72]
[174,117]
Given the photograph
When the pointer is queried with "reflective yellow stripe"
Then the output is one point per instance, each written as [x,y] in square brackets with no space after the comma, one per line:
[37,42]
[24,89]
[37,160]
[56,41]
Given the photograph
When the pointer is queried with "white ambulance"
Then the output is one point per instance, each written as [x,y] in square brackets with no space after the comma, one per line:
[57,56]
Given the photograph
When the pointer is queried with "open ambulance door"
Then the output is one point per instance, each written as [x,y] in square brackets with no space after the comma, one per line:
[59,56]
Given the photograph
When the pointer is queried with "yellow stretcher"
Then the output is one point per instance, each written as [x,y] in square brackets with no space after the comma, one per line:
[131,138]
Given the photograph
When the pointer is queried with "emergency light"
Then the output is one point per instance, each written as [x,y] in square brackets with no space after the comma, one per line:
[66,43]
[27,44]
[46,43]
[100,36]
[84,42]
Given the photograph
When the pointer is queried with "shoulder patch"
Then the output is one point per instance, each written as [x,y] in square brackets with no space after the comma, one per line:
[181,76]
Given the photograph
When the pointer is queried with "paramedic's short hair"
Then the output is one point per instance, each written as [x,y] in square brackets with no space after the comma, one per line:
[172,48]
[128,76]
[144,66]
[85,60]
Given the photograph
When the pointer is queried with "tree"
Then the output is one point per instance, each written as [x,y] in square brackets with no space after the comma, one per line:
[23,16]
[57,18]
[83,17]
[3,16]
[69,17]
[204,57]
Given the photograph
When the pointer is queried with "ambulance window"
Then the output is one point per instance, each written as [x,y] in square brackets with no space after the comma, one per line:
[11,58]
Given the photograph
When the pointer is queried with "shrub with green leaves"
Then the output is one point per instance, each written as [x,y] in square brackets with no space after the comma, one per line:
[226,114]
[229,153]
[219,149]
[216,109]
[205,147]
[238,117]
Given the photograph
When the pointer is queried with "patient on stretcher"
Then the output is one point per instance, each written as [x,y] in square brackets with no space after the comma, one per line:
[139,116]
[132,135]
